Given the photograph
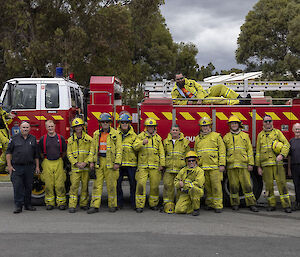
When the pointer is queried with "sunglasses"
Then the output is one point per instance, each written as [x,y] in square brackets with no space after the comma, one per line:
[267,121]
[191,160]
[105,121]
[124,122]
[179,79]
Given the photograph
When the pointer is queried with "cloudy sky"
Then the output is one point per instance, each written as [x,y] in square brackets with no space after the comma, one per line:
[212,25]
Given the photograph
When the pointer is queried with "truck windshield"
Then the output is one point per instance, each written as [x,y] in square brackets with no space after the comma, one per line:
[23,96]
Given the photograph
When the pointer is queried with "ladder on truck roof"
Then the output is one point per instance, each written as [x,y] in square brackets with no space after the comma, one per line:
[164,88]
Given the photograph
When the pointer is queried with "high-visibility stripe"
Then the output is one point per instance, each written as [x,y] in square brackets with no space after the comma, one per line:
[97,115]
[203,114]
[221,116]
[23,118]
[57,117]
[273,115]
[257,116]
[239,115]
[187,116]
[168,115]
[152,115]
[290,115]
[40,117]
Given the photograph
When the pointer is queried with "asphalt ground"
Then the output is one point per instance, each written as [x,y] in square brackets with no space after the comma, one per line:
[127,233]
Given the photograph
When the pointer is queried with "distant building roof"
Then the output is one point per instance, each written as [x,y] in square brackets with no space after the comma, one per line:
[234,77]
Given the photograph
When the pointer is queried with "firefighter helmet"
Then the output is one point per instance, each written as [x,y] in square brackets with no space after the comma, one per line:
[125,117]
[205,121]
[234,118]
[77,122]
[105,117]
[150,122]
[277,146]
[191,154]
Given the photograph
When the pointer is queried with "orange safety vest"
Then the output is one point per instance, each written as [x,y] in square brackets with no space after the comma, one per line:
[187,93]
[103,142]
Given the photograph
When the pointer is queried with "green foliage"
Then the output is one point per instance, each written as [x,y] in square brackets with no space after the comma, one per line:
[269,39]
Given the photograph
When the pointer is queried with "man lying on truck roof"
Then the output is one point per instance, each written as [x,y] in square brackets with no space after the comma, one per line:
[189,89]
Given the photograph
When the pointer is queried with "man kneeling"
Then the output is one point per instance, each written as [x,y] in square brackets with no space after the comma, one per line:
[189,183]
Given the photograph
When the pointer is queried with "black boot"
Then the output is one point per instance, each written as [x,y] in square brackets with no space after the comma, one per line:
[235,207]
[139,210]
[92,210]
[196,212]
[253,208]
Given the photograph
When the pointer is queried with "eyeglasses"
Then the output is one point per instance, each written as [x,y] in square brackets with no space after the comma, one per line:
[191,160]
[267,121]
[179,79]
[105,121]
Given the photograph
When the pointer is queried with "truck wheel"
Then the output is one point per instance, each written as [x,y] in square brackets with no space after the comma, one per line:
[257,185]
[38,191]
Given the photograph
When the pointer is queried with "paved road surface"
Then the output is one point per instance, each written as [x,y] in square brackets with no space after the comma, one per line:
[126,233]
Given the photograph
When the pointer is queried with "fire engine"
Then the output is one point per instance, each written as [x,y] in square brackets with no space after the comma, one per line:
[61,99]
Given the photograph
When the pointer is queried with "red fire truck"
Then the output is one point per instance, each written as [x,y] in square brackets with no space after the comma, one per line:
[39,99]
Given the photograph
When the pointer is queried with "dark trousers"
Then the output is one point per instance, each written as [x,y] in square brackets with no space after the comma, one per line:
[296,179]
[130,172]
[22,179]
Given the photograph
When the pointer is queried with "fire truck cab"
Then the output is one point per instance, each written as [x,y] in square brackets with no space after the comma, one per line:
[39,99]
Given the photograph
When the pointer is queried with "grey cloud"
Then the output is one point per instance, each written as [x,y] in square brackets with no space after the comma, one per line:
[212,25]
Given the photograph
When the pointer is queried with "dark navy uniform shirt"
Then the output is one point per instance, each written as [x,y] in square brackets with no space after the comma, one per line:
[295,150]
[52,147]
[23,151]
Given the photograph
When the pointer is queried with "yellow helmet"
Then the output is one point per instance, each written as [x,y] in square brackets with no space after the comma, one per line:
[77,122]
[169,208]
[150,122]
[191,154]
[205,121]
[234,118]
[277,146]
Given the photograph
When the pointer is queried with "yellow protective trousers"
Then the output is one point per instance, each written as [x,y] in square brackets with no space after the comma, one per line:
[77,176]
[237,177]
[111,176]
[4,139]
[188,202]
[213,187]
[169,192]
[277,172]
[141,177]
[54,177]
[220,94]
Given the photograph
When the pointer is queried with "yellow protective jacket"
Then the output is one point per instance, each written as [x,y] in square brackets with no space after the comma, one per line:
[175,153]
[114,148]
[190,177]
[264,153]
[151,155]
[129,156]
[4,116]
[239,152]
[78,149]
[193,87]
[211,150]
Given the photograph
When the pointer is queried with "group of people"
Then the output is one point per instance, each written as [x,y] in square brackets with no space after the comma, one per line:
[112,154]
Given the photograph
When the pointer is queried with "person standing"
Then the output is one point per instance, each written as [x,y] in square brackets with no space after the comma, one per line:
[294,162]
[53,148]
[106,156]
[151,160]
[176,147]
[190,186]
[211,152]
[4,136]
[78,151]
[240,162]
[22,160]
[271,148]
[129,159]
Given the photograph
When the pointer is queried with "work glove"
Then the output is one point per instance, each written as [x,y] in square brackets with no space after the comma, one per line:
[93,173]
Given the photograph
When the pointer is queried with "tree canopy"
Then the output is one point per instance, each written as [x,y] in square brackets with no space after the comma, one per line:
[269,39]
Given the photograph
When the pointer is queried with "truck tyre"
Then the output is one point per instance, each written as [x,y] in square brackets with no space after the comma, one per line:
[256,182]
[38,191]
